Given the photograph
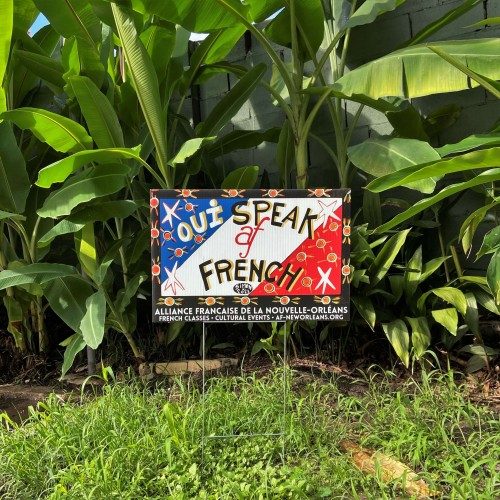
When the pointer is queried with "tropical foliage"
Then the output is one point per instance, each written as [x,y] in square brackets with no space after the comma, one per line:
[93,114]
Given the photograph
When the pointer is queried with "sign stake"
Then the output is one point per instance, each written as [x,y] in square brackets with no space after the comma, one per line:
[286,382]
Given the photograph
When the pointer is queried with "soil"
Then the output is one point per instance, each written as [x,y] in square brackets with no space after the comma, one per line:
[29,379]
[15,400]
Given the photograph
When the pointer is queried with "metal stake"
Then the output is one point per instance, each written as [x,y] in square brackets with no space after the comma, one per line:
[281,434]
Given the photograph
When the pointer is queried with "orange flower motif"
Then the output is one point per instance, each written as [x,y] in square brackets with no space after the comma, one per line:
[155,234]
[319,193]
[169,301]
[233,193]
[346,231]
[272,193]
[346,271]
[187,193]
[210,301]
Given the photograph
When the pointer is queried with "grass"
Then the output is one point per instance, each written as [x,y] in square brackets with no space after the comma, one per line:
[133,442]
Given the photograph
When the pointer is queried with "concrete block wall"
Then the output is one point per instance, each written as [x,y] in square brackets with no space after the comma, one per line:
[479,109]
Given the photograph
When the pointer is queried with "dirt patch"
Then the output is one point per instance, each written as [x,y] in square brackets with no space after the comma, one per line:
[16,399]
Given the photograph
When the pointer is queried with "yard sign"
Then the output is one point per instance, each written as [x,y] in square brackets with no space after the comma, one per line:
[234,255]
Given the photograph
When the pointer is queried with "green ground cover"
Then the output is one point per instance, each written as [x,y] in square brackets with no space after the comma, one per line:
[136,442]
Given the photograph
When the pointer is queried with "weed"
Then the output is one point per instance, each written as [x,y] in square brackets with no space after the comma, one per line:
[132,442]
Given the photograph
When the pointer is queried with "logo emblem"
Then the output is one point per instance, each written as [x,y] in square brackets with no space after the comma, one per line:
[243,288]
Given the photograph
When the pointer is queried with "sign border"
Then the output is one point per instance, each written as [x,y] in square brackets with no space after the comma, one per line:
[265,301]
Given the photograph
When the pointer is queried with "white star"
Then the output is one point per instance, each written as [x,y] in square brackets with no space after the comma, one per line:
[172,281]
[170,212]
[325,279]
[327,211]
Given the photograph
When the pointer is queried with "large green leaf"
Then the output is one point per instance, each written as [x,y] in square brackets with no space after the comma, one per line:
[125,295]
[229,105]
[92,324]
[420,335]
[101,181]
[492,175]
[261,10]
[471,223]
[453,296]
[34,273]
[486,300]
[485,158]
[195,15]
[74,345]
[381,157]
[14,181]
[413,273]
[493,276]
[7,10]
[60,170]
[491,241]
[72,18]
[159,42]
[241,178]
[81,58]
[25,13]
[44,67]
[98,112]
[216,46]
[408,122]
[490,85]
[66,296]
[471,142]
[472,314]
[99,212]
[370,10]
[86,249]
[417,71]
[213,49]
[431,267]
[145,81]
[309,20]
[386,256]
[241,139]
[364,306]
[398,336]
[372,208]
[10,215]
[59,132]
[15,316]
[448,318]
[43,42]
[189,149]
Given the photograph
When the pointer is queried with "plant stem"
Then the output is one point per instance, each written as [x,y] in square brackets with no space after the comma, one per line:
[119,233]
[135,349]
[130,339]
[301,162]
[43,339]
[266,45]
[33,239]
[301,157]
[456,260]
[443,250]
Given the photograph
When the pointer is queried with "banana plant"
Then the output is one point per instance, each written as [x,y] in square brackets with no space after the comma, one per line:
[305,28]
[114,82]
[416,165]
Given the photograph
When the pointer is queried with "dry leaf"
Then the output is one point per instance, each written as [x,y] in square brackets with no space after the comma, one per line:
[370,462]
